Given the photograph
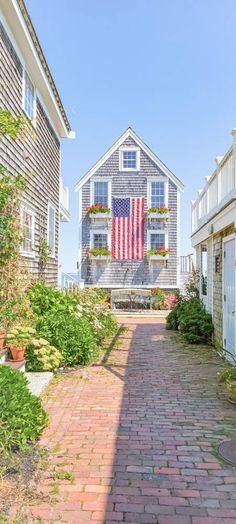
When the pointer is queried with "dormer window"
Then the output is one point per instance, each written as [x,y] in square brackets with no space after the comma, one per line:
[129,159]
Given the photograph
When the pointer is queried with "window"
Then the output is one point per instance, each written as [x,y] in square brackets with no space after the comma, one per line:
[51,228]
[129,159]
[100,240]
[204,270]
[158,194]
[27,223]
[101,193]
[157,240]
[29,97]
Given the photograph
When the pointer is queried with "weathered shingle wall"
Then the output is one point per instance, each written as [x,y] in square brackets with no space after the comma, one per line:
[37,157]
[130,272]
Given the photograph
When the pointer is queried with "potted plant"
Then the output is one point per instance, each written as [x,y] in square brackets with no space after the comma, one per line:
[17,340]
[228,375]
[99,253]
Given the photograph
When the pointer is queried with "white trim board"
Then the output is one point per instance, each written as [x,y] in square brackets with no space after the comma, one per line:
[129,133]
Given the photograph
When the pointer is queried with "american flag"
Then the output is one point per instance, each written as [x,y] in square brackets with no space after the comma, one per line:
[128,228]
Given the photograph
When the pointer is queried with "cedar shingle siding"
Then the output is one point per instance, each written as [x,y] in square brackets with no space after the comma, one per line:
[37,157]
[130,272]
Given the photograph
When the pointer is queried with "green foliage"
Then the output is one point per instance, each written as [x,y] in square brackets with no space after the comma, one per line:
[22,417]
[41,356]
[20,336]
[191,319]
[159,299]
[96,251]
[44,252]
[73,322]
[98,208]
[72,336]
[228,373]
[158,251]
[12,126]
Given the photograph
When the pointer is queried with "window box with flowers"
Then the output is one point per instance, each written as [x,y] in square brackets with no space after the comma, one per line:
[159,254]
[98,212]
[99,253]
[159,213]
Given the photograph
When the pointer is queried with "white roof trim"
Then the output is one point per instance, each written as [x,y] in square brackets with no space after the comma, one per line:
[129,133]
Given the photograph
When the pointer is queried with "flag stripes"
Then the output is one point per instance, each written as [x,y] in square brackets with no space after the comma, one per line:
[128,228]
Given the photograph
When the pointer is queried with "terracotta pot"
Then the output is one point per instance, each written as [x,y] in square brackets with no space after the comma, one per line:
[2,337]
[17,353]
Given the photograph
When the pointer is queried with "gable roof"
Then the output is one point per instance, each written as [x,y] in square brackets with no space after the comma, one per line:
[129,133]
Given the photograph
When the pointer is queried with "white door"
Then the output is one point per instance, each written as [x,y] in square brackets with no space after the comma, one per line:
[229,296]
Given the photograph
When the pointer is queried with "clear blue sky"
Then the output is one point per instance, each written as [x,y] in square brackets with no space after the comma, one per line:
[166,68]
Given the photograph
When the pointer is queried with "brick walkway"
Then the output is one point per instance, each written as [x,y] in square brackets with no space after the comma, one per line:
[138,433]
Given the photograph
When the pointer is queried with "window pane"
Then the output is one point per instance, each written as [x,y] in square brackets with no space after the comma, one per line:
[101,193]
[100,240]
[157,194]
[29,97]
[157,240]
[204,270]
[129,159]
[27,226]
[51,228]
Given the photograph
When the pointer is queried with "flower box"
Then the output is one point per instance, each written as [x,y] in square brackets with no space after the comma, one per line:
[99,216]
[98,258]
[159,258]
[158,216]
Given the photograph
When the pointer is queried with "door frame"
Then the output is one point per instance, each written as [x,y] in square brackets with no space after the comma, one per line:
[232,236]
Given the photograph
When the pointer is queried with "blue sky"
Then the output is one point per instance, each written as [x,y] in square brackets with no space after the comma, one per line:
[166,68]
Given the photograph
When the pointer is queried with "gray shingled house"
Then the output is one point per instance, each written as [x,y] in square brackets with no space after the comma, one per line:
[27,88]
[129,219]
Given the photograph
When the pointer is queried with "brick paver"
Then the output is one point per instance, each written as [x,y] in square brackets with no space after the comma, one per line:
[138,435]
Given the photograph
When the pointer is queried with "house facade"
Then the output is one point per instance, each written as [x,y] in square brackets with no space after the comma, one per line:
[214,240]
[141,246]
[28,89]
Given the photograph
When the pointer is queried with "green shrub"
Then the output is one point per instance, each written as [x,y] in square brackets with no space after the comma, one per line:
[41,356]
[22,417]
[191,319]
[172,321]
[72,336]
[74,322]
[228,373]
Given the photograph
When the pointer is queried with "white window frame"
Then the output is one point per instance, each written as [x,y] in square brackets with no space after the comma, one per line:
[33,119]
[149,189]
[156,232]
[130,148]
[100,232]
[51,206]
[100,179]
[29,211]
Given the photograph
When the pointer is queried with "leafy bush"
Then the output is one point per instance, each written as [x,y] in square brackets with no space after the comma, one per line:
[41,356]
[22,417]
[191,318]
[228,373]
[72,336]
[74,322]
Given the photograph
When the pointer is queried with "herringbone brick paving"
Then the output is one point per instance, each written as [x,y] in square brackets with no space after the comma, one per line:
[138,433]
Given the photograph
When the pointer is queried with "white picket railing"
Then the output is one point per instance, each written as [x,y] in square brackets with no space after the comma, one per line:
[219,189]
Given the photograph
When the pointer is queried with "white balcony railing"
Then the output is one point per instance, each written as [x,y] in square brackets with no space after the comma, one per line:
[220,188]
[64,202]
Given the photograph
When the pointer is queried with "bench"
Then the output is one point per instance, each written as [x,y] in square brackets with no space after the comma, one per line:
[131,298]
